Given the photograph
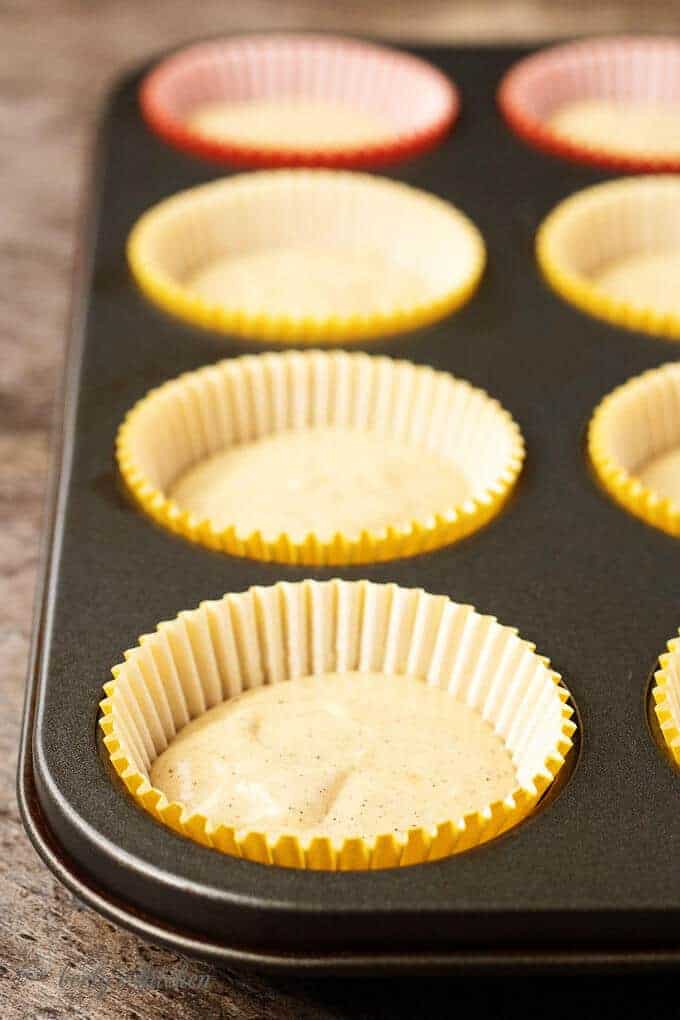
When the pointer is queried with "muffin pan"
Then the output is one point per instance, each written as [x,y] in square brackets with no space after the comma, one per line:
[589,880]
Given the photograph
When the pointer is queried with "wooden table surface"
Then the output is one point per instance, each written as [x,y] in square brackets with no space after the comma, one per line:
[58,958]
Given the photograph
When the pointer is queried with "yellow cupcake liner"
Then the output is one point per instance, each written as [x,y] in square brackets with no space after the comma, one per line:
[634,423]
[290,630]
[243,399]
[607,221]
[666,696]
[338,211]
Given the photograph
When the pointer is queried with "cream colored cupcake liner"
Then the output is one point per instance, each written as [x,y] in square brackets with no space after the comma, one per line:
[633,424]
[601,224]
[666,696]
[290,630]
[349,215]
[202,413]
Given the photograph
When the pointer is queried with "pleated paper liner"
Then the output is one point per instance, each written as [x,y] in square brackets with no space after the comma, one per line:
[298,100]
[295,256]
[610,102]
[666,697]
[613,250]
[271,635]
[217,408]
[633,438]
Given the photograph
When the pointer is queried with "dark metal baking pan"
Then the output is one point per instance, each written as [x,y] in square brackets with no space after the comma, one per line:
[589,881]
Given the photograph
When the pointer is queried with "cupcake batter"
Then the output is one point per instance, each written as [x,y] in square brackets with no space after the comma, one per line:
[662,474]
[290,123]
[646,278]
[636,129]
[349,754]
[323,480]
[309,281]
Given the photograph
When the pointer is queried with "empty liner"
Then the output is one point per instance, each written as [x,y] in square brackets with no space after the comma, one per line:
[611,102]
[634,445]
[306,255]
[357,398]
[298,100]
[275,634]
[613,250]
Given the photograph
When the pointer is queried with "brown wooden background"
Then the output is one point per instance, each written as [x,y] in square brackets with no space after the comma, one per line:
[58,959]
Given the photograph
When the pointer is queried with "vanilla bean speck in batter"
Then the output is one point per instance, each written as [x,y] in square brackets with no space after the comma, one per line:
[338,755]
[322,480]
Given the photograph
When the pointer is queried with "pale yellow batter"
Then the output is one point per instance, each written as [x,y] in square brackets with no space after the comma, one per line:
[323,480]
[309,281]
[290,123]
[354,754]
[651,279]
[625,128]
[662,474]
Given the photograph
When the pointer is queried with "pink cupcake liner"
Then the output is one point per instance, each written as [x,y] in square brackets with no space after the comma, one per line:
[418,101]
[626,69]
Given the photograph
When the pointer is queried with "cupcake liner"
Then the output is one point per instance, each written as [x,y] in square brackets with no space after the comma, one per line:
[633,425]
[202,413]
[279,633]
[630,70]
[666,696]
[412,103]
[599,227]
[427,256]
